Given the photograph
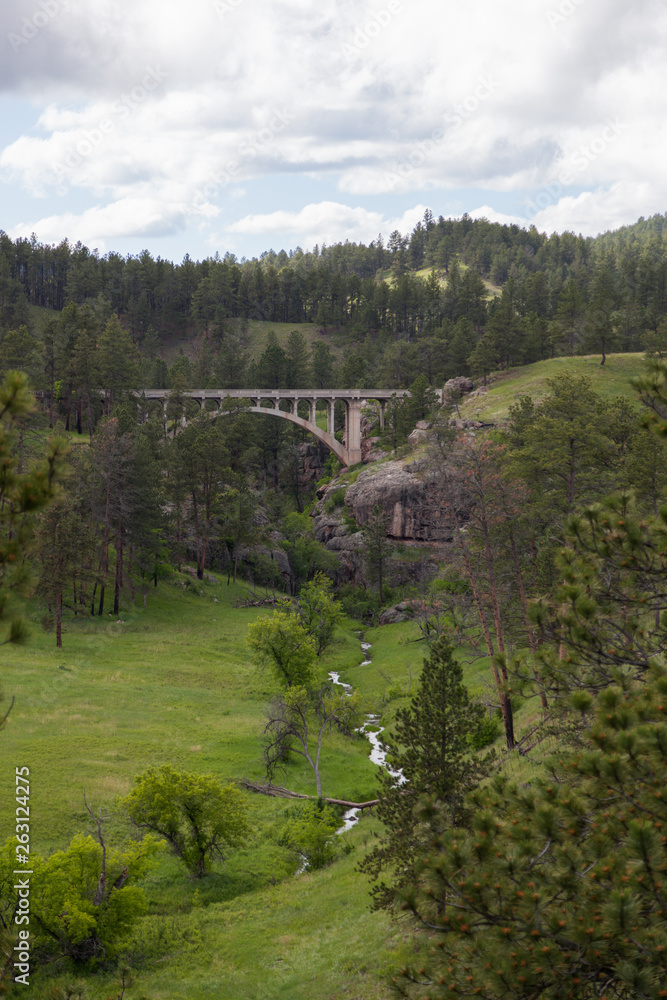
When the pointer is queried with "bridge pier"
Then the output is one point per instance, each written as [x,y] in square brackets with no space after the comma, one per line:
[330,416]
[353,430]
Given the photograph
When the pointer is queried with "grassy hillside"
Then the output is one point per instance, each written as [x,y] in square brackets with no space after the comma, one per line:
[174,685]
[611,381]
[426,272]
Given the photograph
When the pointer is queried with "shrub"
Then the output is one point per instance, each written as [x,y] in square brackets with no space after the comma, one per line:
[311,834]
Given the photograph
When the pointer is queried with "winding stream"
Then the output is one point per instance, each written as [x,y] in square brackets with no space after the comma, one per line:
[371,730]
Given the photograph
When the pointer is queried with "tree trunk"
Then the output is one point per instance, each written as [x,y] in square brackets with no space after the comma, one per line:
[105,549]
[197,538]
[505,703]
[529,629]
[59,620]
[90,416]
[119,567]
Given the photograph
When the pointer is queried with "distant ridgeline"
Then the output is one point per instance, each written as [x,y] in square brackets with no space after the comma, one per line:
[455,297]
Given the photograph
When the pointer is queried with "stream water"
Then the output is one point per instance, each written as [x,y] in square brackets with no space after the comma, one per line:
[372,732]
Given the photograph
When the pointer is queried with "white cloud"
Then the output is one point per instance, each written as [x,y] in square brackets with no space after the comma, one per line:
[128,217]
[327,222]
[380,97]
[594,212]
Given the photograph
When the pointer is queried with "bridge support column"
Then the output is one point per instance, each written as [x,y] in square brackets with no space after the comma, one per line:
[353,431]
[383,406]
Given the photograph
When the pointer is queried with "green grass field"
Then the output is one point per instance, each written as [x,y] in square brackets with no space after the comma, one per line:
[174,684]
[611,381]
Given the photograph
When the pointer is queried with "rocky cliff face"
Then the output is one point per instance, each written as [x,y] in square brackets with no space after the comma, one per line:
[415,507]
[311,463]
[331,528]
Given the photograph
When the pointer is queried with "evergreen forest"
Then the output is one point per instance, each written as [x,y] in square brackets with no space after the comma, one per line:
[205,619]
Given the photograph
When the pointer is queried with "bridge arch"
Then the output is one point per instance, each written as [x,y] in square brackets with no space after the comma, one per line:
[325,437]
[348,453]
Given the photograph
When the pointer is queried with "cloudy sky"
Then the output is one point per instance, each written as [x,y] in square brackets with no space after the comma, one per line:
[244,125]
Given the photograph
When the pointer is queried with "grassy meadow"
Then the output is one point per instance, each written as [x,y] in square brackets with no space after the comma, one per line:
[611,381]
[174,684]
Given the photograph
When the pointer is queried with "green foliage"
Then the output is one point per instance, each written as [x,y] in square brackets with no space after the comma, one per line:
[282,643]
[307,556]
[488,731]
[311,834]
[377,549]
[196,814]
[83,900]
[298,720]
[320,612]
[335,498]
[558,890]
[609,608]
[357,602]
[22,495]
[430,747]
[561,447]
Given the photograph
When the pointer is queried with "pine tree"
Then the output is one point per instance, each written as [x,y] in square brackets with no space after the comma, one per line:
[22,495]
[376,549]
[557,892]
[298,372]
[430,748]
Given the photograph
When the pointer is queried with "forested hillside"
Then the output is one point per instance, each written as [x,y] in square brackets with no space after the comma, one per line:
[455,297]
[184,594]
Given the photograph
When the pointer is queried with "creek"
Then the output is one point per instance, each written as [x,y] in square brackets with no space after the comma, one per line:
[372,731]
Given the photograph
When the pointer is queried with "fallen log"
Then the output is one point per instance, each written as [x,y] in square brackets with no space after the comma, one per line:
[277,791]
[264,602]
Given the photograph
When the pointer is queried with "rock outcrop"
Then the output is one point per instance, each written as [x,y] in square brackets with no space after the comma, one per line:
[462,385]
[399,613]
[420,433]
[415,508]
[311,463]
[331,528]
[415,512]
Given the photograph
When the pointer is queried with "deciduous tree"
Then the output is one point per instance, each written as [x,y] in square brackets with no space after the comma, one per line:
[297,722]
[281,642]
[196,814]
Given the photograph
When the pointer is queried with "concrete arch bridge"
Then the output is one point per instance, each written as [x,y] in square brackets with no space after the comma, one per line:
[286,404]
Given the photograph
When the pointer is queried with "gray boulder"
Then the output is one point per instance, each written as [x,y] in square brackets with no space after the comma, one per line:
[462,384]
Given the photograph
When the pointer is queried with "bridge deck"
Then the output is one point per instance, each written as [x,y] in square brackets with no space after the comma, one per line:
[344,394]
